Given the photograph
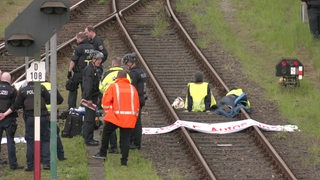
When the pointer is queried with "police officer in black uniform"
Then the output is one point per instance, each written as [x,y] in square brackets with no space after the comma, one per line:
[313,7]
[8,124]
[25,99]
[96,41]
[91,79]
[138,80]
[81,57]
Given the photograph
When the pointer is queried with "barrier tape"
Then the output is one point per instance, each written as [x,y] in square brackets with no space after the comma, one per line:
[214,128]
[220,128]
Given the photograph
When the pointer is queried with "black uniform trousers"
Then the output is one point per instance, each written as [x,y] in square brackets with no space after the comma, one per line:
[44,140]
[113,141]
[89,122]
[9,125]
[108,129]
[136,133]
[314,20]
[60,151]
[72,96]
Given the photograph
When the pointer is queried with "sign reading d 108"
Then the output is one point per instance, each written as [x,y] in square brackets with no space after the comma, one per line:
[36,72]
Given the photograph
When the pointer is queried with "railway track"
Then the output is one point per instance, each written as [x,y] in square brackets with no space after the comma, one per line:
[170,60]
[170,72]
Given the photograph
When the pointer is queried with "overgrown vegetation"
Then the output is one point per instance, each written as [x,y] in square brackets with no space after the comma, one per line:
[160,24]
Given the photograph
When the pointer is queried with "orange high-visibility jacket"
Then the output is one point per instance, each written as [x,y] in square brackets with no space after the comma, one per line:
[121,104]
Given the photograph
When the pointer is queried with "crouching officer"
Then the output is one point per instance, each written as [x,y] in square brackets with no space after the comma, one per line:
[8,124]
[25,99]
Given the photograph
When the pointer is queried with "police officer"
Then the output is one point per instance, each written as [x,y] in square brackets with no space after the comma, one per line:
[108,78]
[138,80]
[313,7]
[81,57]
[199,97]
[8,124]
[25,99]
[91,93]
[96,41]
[60,151]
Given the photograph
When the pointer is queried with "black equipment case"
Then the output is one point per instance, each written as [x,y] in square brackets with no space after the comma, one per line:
[72,126]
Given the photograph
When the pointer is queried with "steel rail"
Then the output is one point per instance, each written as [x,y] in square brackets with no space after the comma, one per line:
[279,161]
[185,133]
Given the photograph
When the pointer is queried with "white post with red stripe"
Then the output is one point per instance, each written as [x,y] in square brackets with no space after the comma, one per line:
[37,171]
[300,72]
[36,73]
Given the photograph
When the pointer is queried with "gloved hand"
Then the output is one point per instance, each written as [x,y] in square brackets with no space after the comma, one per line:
[69,74]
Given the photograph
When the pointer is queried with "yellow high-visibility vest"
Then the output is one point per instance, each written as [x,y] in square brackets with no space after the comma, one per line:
[110,78]
[238,92]
[47,85]
[198,92]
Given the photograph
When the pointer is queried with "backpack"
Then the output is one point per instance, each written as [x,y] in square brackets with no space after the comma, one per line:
[72,125]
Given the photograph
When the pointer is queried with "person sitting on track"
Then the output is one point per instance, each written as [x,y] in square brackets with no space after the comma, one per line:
[199,97]
[231,104]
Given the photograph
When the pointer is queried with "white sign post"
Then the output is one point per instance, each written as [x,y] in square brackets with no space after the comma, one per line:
[36,72]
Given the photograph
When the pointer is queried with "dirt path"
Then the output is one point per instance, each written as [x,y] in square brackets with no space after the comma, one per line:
[95,166]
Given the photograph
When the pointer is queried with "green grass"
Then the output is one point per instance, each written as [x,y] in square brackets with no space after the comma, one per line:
[138,167]
[74,168]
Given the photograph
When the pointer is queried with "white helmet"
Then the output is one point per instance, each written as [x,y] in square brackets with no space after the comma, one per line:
[98,55]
